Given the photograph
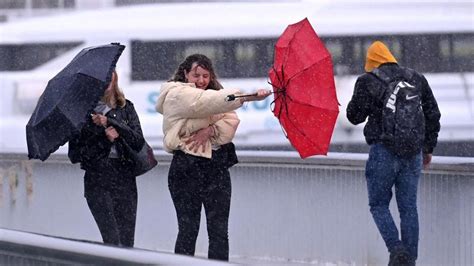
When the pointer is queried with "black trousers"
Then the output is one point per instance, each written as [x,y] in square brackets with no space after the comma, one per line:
[112,200]
[194,182]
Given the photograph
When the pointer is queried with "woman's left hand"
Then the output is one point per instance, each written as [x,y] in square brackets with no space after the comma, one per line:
[99,119]
[200,139]
[262,94]
[111,134]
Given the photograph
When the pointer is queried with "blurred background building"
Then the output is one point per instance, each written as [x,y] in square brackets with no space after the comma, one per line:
[39,37]
[284,209]
[17,9]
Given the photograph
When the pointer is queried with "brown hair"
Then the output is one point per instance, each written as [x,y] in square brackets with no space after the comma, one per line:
[201,61]
[117,97]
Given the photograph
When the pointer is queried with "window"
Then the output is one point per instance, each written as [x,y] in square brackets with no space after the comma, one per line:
[153,60]
[347,54]
[214,50]
[251,58]
[421,52]
[53,3]
[37,4]
[12,4]
[246,55]
[335,48]
[18,57]
[428,53]
[463,53]
[238,58]
[138,2]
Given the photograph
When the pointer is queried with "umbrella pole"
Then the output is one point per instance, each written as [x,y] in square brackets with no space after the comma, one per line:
[232,97]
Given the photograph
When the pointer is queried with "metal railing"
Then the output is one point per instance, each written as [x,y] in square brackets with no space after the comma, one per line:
[22,248]
[283,208]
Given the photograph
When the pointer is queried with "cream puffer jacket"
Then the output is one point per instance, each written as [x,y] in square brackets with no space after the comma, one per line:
[187,109]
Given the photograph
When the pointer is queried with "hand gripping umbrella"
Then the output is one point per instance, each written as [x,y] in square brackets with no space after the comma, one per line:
[62,109]
[303,84]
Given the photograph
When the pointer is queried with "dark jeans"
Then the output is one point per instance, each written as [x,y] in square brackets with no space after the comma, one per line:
[194,182]
[113,204]
[383,171]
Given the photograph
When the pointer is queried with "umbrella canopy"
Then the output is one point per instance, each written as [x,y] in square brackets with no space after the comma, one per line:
[305,95]
[62,108]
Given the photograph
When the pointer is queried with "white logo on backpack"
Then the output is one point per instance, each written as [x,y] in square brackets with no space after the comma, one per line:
[393,98]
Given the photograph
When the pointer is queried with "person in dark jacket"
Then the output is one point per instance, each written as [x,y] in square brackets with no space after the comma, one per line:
[385,168]
[109,187]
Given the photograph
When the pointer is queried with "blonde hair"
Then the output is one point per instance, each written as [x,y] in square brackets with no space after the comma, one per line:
[116,97]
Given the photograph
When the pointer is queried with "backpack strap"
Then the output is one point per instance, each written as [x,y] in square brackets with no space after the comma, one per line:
[381,75]
[408,73]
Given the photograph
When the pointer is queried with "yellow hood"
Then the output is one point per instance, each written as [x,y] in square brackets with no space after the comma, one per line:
[378,54]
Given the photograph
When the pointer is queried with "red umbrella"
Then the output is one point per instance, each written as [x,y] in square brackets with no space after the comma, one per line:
[305,95]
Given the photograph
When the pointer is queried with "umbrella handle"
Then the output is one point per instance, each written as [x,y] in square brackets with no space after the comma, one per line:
[232,97]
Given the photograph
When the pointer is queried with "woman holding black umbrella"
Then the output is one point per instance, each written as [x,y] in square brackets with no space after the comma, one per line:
[199,125]
[109,186]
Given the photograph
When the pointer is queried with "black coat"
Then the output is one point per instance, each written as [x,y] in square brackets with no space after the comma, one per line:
[91,148]
[367,101]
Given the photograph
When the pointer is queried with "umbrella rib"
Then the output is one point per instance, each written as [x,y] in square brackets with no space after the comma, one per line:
[289,43]
[281,92]
[281,89]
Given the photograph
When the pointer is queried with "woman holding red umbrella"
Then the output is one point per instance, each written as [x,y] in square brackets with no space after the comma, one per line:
[199,125]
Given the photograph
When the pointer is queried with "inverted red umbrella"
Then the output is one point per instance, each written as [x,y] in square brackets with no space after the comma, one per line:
[303,84]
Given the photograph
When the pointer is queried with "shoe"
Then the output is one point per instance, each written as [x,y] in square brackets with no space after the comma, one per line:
[400,257]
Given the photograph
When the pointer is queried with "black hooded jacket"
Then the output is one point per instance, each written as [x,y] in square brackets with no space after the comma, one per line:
[367,101]
[91,148]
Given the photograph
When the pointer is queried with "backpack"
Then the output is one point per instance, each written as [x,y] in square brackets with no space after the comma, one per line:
[403,121]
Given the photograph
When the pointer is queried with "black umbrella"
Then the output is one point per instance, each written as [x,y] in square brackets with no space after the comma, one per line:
[62,109]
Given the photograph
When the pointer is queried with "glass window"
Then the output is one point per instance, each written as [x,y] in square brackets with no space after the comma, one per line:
[53,3]
[421,52]
[245,52]
[359,54]
[240,58]
[445,53]
[155,60]
[248,58]
[395,47]
[346,54]
[45,3]
[214,51]
[12,4]
[18,57]
[138,2]
[445,48]
[69,3]
[252,58]
[463,52]
[335,49]
[463,47]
